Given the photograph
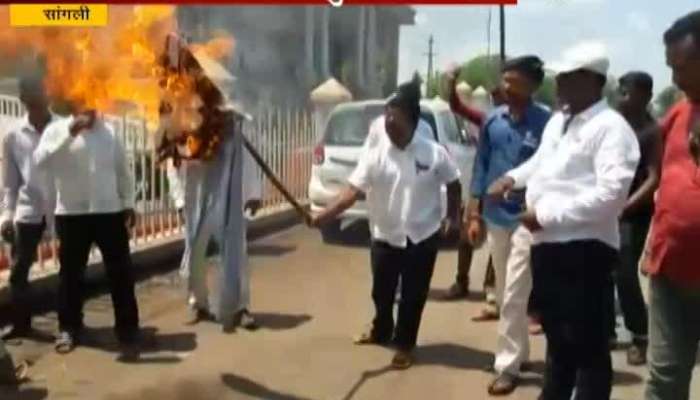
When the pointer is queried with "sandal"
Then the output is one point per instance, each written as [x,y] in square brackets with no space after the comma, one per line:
[22,372]
[402,360]
[503,385]
[65,343]
[486,315]
[368,337]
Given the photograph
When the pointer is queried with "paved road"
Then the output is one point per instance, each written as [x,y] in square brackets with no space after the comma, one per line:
[311,299]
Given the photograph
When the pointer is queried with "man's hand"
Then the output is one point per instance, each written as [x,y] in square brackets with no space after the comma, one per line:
[7,230]
[449,227]
[529,221]
[475,232]
[498,189]
[452,72]
[129,218]
[82,122]
[253,206]
[314,221]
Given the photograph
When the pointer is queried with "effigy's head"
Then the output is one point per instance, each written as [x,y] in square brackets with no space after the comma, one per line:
[193,118]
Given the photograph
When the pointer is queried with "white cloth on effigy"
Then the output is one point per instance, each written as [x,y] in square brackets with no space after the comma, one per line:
[212,195]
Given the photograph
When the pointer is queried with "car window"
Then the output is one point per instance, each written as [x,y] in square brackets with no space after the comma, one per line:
[429,117]
[451,129]
[350,127]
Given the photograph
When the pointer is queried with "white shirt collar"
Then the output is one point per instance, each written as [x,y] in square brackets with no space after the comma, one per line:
[590,112]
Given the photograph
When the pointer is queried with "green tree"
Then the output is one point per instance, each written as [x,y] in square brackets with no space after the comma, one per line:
[483,71]
[666,99]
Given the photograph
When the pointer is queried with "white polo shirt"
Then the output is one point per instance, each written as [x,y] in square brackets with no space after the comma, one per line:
[403,188]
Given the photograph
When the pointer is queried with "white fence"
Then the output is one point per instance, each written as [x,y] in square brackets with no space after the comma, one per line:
[284,138]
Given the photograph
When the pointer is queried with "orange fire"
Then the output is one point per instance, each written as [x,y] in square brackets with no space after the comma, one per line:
[114,68]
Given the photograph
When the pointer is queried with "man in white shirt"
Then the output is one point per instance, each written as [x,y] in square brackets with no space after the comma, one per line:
[28,204]
[577,185]
[94,205]
[185,183]
[402,178]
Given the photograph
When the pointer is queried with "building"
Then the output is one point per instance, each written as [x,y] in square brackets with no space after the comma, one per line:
[282,53]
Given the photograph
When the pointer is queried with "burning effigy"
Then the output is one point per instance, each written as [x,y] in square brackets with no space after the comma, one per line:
[139,65]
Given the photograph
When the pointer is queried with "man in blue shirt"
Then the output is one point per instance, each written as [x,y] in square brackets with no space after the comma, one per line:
[509,136]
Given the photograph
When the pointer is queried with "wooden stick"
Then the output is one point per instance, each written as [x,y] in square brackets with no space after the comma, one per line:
[274,180]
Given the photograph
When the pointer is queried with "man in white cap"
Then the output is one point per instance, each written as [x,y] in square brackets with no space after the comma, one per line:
[577,186]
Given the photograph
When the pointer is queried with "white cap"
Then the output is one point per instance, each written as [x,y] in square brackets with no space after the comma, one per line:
[587,56]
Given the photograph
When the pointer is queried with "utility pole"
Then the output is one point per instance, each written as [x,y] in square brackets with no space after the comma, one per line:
[503,34]
[430,55]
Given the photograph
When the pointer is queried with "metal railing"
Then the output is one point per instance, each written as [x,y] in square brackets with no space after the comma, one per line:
[284,138]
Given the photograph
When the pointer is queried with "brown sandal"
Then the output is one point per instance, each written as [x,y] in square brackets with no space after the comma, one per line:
[402,360]
[367,338]
[486,315]
[503,385]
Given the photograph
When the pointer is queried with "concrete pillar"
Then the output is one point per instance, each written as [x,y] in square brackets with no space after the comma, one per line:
[325,42]
[360,59]
[324,98]
[309,33]
[371,70]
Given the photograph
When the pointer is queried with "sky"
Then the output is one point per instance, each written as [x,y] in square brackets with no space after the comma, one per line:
[630,30]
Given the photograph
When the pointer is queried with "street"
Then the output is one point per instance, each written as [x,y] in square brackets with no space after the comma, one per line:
[310,299]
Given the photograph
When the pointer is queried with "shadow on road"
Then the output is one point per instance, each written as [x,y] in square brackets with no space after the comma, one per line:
[438,296]
[7,393]
[270,250]
[280,322]
[453,356]
[623,378]
[248,387]
[367,375]
[152,344]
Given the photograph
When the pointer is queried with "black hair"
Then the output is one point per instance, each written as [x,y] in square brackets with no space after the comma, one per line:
[31,83]
[407,98]
[684,26]
[531,66]
[638,79]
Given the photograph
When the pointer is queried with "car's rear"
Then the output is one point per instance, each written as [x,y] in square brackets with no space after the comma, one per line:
[336,156]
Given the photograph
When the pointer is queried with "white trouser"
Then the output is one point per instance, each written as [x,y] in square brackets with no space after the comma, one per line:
[513,346]
[228,278]
[499,240]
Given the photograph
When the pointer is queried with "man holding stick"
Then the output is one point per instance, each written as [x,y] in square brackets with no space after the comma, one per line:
[402,178]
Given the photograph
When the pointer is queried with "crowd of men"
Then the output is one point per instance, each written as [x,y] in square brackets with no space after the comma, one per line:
[571,202]
[71,175]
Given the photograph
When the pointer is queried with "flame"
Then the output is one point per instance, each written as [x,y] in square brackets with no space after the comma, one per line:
[109,67]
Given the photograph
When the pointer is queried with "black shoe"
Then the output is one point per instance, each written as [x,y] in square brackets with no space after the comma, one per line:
[16,333]
[456,292]
[247,322]
[637,354]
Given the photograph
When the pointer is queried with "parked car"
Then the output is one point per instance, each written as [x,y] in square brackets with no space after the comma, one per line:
[336,156]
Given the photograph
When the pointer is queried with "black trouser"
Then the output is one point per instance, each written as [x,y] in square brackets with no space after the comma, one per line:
[77,235]
[24,248]
[570,283]
[626,277]
[414,265]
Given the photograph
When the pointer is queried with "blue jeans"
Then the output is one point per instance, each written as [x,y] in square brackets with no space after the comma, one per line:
[674,333]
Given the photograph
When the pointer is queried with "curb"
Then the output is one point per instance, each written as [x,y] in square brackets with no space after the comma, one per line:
[157,258]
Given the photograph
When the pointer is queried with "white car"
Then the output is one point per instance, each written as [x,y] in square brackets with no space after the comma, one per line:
[336,156]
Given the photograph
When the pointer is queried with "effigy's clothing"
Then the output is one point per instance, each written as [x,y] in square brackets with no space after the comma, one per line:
[212,195]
